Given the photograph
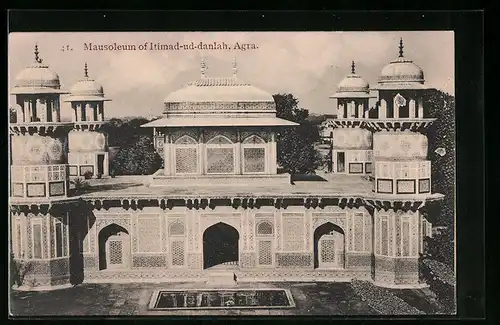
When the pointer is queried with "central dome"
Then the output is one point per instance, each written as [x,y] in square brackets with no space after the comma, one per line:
[218,90]
[228,95]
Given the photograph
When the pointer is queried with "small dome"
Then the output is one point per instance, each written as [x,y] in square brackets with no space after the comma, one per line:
[38,75]
[37,78]
[401,70]
[86,90]
[353,82]
[87,87]
[352,86]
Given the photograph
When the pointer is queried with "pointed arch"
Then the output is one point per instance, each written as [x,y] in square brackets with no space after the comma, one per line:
[177,228]
[186,140]
[220,245]
[329,246]
[219,139]
[253,139]
[264,228]
[114,247]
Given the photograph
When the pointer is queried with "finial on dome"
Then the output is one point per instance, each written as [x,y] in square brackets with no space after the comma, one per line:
[86,70]
[235,67]
[401,47]
[203,67]
[353,67]
[37,58]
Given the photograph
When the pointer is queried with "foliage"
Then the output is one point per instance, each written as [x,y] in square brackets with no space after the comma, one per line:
[88,174]
[441,134]
[441,281]
[441,247]
[79,184]
[20,268]
[138,158]
[123,133]
[382,300]
[295,145]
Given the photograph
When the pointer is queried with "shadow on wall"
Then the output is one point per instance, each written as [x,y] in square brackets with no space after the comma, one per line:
[78,231]
[307,178]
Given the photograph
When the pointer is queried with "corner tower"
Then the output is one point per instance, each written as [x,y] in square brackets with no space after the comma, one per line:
[39,179]
[88,149]
[351,144]
[402,172]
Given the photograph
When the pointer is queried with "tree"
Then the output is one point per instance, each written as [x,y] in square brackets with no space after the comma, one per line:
[441,135]
[122,133]
[295,145]
[138,158]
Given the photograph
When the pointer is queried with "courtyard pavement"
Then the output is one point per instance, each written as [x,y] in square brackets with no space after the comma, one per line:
[319,299]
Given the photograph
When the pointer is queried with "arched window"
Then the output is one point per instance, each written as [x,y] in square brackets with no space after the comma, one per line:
[264,228]
[186,155]
[254,155]
[177,229]
[220,156]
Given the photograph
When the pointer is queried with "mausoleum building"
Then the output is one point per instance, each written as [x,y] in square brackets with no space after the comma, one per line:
[219,207]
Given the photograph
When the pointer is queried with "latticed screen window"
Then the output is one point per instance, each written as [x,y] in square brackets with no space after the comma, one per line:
[148,232]
[264,228]
[358,232]
[186,160]
[186,155]
[328,250]
[293,234]
[17,239]
[220,160]
[37,240]
[265,252]
[405,237]
[254,160]
[384,236]
[178,253]
[115,252]
[56,173]
[220,156]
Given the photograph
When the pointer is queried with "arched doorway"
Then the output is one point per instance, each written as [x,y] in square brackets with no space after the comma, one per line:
[114,247]
[220,246]
[329,247]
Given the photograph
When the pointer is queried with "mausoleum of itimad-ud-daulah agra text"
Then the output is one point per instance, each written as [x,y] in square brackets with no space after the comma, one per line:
[219,208]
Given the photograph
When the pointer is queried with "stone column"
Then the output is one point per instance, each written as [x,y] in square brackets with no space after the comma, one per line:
[420,107]
[412,108]
[382,109]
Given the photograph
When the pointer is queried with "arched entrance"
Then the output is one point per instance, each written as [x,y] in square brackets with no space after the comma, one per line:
[220,246]
[114,247]
[329,247]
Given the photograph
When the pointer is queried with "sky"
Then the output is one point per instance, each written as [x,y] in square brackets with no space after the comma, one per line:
[307,64]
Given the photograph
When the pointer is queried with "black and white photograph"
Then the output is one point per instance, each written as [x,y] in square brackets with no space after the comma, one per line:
[232,173]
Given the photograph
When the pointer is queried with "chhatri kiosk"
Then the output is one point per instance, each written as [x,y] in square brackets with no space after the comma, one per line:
[219,207]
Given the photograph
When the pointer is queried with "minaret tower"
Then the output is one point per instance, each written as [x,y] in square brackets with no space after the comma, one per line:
[402,172]
[88,149]
[351,144]
[39,179]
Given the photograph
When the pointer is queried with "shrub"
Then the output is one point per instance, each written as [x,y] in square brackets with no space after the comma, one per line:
[139,158]
[80,184]
[88,174]
[441,280]
[381,300]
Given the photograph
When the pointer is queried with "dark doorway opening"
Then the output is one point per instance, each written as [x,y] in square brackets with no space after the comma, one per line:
[220,246]
[340,162]
[100,164]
